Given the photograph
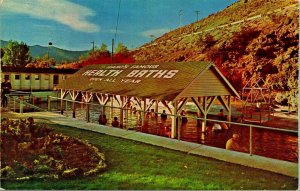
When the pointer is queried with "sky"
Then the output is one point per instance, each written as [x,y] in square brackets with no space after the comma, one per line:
[75,24]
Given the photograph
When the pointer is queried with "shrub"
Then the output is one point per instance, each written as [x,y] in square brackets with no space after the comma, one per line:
[53,158]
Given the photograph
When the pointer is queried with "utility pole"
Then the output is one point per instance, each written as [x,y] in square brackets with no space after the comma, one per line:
[48,53]
[93,47]
[197,12]
[180,13]
[112,50]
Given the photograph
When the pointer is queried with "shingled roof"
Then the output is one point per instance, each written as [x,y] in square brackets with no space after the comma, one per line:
[159,81]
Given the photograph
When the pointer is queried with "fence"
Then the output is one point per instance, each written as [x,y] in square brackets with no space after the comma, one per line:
[266,141]
[22,102]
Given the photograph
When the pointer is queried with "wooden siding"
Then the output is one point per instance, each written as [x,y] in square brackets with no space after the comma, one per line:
[31,84]
[207,83]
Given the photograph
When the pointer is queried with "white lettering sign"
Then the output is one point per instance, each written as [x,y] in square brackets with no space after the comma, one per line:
[135,75]
[108,73]
[152,73]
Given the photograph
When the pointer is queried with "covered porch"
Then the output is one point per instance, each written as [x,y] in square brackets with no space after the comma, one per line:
[147,89]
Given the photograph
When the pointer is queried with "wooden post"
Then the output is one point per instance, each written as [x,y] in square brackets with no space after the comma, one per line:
[61,102]
[269,112]
[49,103]
[57,100]
[21,104]
[74,108]
[269,106]
[143,114]
[260,108]
[102,112]
[112,107]
[14,102]
[199,115]
[179,127]
[126,116]
[103,109]
[66,105]
[121,112]
[87,112]
[204,124]
[174,117]
[250,142]
[205,115]
[156,113]
[126,112]
[229,111]
[61,107]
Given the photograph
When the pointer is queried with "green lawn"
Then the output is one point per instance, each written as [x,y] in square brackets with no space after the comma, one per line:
[134,165]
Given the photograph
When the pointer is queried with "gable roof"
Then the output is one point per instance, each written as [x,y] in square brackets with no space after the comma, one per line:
[159,81]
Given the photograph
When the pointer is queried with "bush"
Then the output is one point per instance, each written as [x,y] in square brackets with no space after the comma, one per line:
[45,155]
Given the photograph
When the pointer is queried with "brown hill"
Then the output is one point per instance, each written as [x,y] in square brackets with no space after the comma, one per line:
[249,39]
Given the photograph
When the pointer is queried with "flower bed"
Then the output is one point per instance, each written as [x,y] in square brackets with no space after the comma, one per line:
[30,150]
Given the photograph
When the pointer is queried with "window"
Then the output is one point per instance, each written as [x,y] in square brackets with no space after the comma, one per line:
[47,77]
[64,77]
[55,80]
[36,77]
[27,77]
[17,77]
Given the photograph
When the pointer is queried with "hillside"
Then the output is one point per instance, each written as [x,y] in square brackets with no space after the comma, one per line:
[59,55]
[249,39]
[190,42]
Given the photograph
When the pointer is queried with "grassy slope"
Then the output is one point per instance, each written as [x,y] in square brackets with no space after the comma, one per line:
[133,165]
[170,47]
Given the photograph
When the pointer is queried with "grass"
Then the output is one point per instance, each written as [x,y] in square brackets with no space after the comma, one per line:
[133,165]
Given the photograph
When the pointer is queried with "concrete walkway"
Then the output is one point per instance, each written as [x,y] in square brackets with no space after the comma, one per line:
[273,165]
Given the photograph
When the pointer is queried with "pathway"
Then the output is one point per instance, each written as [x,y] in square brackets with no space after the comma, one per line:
[273,165]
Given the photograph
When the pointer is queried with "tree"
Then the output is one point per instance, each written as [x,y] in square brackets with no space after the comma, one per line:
[102,52]
[1,55]
[16,54]
[121,48]
[2,52]
[103,48]
[44,62]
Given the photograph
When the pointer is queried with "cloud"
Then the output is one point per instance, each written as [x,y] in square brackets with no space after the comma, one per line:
[155,32]
[61,11]
[112,31]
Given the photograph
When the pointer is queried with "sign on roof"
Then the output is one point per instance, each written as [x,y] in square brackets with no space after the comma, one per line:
[132,73]
[161,81]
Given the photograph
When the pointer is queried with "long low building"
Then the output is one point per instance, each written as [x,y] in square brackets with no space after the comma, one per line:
[35,79]
[172,84]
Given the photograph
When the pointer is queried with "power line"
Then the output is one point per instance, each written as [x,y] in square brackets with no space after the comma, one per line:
[118,20]
[93,42]
[115,38]
[180,13]
[197,12]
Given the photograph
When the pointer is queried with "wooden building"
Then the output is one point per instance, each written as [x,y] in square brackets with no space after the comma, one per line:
[172,84]
[35,79]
